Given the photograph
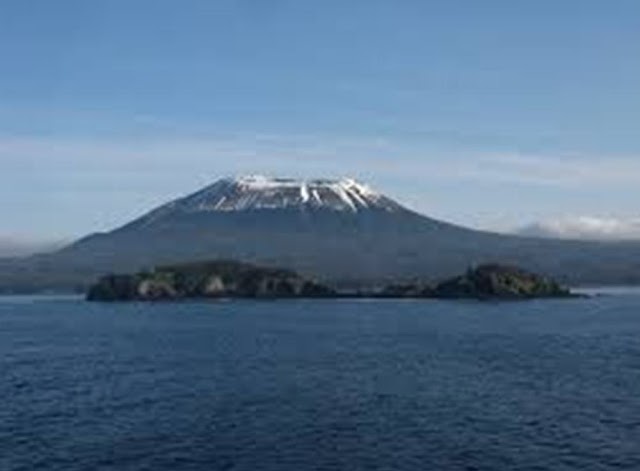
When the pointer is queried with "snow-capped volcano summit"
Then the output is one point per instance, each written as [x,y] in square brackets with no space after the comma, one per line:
[264,193]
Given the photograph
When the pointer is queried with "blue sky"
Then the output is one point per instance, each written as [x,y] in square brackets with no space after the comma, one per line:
[492,114]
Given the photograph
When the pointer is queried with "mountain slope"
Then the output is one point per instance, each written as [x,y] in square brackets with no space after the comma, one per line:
[341,231]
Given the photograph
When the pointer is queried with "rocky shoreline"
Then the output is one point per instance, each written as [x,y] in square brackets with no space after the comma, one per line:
[229,279]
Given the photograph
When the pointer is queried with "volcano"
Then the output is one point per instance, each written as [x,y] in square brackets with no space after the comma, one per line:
[340,231]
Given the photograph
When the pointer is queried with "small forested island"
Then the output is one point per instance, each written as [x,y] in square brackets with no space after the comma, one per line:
[491,281]
[230,279]
[216,279]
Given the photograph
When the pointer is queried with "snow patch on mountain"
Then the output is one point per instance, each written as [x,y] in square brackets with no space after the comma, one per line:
[263,193]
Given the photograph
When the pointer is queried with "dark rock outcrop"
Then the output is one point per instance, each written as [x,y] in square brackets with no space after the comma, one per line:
[499,282]
[206,280]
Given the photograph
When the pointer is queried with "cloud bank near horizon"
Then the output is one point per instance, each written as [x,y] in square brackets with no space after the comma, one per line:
[18,246]
[586,228]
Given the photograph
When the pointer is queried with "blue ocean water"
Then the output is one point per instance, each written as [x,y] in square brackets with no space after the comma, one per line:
[320,385]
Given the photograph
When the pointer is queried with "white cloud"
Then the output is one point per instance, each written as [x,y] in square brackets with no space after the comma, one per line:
[301,155]
[585,227]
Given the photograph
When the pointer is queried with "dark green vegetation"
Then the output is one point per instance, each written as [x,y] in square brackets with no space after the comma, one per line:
[491,281]
[218,279]
[501,282]
[206,280]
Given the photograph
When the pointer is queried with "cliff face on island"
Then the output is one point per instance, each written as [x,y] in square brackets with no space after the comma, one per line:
[206,280]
